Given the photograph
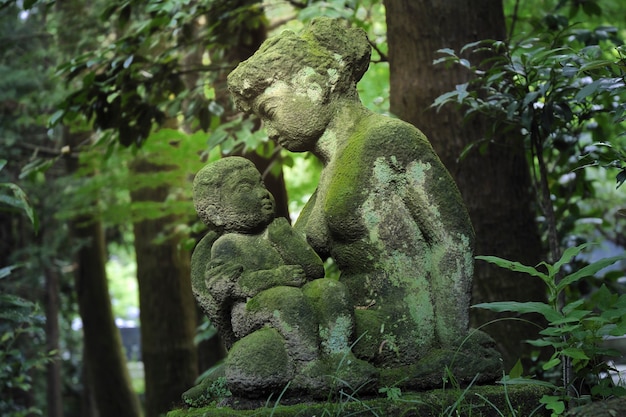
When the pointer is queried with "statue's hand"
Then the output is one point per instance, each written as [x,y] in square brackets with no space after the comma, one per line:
[293,275]
[221,280]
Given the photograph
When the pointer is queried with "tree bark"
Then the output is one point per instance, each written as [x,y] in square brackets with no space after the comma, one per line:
[167,307]
[105,361]
[53,369]
[242,44]
[496,185]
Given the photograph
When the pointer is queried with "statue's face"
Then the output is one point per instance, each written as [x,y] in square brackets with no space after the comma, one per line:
[246,204]
[293,117]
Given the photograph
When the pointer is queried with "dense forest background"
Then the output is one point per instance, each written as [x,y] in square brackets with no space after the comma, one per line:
[108,108]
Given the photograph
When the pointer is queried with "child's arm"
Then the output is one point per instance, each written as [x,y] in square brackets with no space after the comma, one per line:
[228,253]
[294,249]
[253,282]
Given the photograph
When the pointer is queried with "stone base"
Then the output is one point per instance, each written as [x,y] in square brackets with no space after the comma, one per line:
[608,408]
[485,401]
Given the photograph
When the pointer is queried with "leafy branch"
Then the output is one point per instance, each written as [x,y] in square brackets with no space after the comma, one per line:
[574,332]
[548,90]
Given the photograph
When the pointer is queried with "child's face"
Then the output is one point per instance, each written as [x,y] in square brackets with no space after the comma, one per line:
[246,203]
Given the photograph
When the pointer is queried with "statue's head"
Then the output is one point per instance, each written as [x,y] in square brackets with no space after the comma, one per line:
[327,57]
[229,196]
[291,81]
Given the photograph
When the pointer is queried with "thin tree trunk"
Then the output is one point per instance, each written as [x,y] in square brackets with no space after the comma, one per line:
[167,307]
[107,373]
[496,186]
[53,371]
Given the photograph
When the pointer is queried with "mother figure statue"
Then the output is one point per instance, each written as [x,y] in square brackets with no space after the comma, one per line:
[386,209]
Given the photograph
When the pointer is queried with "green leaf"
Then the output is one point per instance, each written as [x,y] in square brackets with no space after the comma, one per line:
[514,266]
[573,316]
[569,254]
[56,117]
[522,308]
[21,202]
[559,330]
[620,178]
[531,98]
[591,8]
[540,343]
[572,306]
[553,403]
[444,99]
[517,370]
[555,361]
[587,90]
[6,271]
[525,381]
[588,271]
[446,51]
[575,353]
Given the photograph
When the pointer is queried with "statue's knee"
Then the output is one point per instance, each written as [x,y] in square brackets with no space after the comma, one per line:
[258,360]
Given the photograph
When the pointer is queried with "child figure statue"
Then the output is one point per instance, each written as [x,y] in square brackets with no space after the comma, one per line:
[262,286]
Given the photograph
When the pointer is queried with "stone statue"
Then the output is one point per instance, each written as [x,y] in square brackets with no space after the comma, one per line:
[263,288]
[385,210]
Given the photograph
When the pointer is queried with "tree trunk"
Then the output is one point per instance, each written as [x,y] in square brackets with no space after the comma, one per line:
[496,185]
[242,44]
[53,371]
[104,357]
[167,307]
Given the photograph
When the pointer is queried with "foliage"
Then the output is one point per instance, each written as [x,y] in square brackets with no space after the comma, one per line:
[13,197]
[554,90]
[139,79]
[20,321]
[575,331]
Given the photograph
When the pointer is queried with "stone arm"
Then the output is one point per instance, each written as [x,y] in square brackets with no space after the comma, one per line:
[294,249]
[229,287]
[217,312]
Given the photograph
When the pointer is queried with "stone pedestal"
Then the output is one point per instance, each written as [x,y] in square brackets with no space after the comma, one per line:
[485,401]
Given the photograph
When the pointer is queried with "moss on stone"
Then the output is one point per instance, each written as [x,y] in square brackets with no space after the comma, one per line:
[258,360]
[477,401]
[369,324]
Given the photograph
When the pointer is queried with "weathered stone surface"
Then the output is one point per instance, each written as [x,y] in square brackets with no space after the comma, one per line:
[248,275]
[613,407]
[386,211]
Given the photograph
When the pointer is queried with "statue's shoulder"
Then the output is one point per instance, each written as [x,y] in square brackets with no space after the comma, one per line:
[380,135]
[231,243]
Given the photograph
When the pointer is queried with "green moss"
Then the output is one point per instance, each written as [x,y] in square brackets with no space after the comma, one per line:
[272,298]
[478,401]
[212,388]
[261,354]
[369,324]
[343,197]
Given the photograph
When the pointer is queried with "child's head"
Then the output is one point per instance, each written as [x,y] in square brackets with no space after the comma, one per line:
[229,195]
